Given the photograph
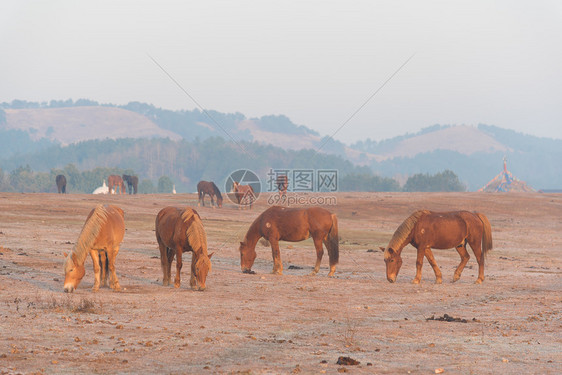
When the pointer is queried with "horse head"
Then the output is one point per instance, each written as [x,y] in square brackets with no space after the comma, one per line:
[73,273]
[247,257]
[393,262]
[219,201]
[202,268]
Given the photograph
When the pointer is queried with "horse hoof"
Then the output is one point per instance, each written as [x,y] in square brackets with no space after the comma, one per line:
[277,272]
[439,281]
[478,281]
[331,274]
[415,281]
[313,273]
[176,285]
[95,289]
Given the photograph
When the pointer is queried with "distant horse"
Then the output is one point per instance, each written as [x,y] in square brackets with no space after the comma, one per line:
[439,230]
[115,181]
[209,188]
[244,194]
[132,183]
[179,230]
[61,183]
[101,236]
[292,224]
[282,182]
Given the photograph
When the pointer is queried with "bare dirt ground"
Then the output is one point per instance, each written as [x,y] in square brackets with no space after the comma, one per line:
[292,323]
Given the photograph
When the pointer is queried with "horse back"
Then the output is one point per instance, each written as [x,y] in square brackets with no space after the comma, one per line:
[295,224]
[440,230]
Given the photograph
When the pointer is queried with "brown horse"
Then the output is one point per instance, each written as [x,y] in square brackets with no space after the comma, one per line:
[244,194]
[101,236]
[292,224]
[115,181]
[132,183]
[61,183]
[209,188]
[179,230]
[282,183]
[439,230]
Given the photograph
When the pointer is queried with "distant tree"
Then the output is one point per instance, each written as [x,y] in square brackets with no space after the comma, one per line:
[165,185]
[146,187]
[368,182]
[443,181]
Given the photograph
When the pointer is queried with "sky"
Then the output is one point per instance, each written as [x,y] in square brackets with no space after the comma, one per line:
[372,69]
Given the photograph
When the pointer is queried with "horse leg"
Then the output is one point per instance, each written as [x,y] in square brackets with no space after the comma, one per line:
[212,201]
[477,250]
[192,279]
[461,249]
[113,281]
[319,254]
[419,264]
[170,256]
[164,263]
[431,259]
[96,261]
[103,266]
[277,264]
[179,264]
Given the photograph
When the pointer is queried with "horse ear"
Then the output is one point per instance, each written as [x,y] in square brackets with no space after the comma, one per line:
[211,255]
[65,254]
[241,243]
[382,248]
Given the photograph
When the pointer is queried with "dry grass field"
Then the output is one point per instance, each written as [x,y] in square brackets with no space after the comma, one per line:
[293,323]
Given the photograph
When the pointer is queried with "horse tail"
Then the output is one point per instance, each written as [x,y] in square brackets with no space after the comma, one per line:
[486,235]
[332,243]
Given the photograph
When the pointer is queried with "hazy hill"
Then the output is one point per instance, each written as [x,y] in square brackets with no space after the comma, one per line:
[74,124]
[474,153]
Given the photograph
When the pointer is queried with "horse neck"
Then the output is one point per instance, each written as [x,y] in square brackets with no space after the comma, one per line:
[402,244]
[89,234]
[253,235]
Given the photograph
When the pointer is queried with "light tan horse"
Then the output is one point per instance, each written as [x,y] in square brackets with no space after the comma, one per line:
[101,236]
[114,182]
[179,230]
[292,224]
[439,230]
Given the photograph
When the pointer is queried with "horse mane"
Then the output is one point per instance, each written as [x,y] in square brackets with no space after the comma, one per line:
[404,230]
[89,233]
[195,232]
[217,191]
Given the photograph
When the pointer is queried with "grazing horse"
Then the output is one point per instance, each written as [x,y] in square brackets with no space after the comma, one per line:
[179,230]
[439,230]
[132,183]
[282,183]
[115,181]
[209,188]
[244,194]
[101,236]
[292,224]
[61,183]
